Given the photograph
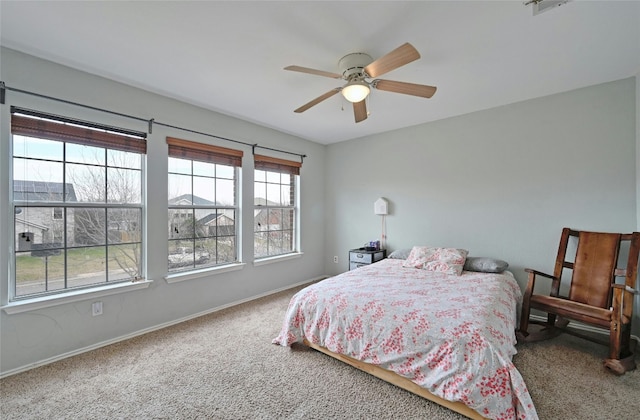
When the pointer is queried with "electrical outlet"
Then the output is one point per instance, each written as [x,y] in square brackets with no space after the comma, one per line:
[335,259]
[96,308]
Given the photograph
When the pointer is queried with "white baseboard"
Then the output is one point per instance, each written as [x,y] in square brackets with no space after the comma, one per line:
[584,327]
[148,330]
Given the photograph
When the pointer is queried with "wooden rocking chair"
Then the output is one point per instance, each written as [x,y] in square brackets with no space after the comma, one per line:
[594,297]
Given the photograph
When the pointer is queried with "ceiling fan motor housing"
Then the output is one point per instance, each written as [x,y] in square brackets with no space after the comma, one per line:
[352,66]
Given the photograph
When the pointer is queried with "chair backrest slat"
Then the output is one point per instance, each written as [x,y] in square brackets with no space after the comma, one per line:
[594,267]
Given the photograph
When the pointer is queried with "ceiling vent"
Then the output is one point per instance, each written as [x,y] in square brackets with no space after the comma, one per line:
[540,6]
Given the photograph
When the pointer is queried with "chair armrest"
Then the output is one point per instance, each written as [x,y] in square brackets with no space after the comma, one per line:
[625,288]
[555,284]
[621,305]
[540,273]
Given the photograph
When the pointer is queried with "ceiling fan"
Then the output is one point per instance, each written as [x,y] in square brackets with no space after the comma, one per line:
[359,70]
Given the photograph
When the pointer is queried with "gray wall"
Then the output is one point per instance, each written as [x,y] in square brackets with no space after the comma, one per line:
[500,183]
[36,336]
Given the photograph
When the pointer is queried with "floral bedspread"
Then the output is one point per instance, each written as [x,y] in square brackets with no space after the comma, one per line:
[453,335]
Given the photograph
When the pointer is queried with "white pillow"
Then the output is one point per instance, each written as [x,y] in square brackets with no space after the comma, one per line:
[443,260]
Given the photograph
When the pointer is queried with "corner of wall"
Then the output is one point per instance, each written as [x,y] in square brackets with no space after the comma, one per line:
[638,150]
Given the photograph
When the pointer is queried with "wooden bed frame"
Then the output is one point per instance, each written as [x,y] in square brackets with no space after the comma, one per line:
[400,381]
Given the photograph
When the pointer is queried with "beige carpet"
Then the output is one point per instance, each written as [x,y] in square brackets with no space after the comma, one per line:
[223,366]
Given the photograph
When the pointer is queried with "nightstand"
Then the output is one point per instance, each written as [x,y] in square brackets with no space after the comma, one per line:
[359,257]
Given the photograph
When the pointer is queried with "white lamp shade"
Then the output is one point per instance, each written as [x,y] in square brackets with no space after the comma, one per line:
[355,91]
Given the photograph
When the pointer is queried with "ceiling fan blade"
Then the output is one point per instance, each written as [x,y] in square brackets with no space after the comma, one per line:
[402,55]
[317,100]
[314,71]
[404,88]
[360,110]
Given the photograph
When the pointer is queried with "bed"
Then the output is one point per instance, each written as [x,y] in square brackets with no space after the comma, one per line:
[446,337]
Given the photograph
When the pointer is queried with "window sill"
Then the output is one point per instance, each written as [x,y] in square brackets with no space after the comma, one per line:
[277,258]
[205,272]
[73,296]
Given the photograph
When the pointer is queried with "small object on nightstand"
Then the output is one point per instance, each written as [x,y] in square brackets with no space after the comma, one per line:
[361,256]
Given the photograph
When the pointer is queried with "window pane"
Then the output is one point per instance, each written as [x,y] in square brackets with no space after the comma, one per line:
[285,195]
[260,193]
[36,228]
[226,223]
[204,249]
[285,179]
[206,222]
[36,180]
[39,273]
[260,176]
[124,225]
[37,148]
[260,220]
[181,255]
[124,186]
[89,182]
[287,241]
[275,219]
[204,168]
[180,190]
[124,262]
[288,219]
[224,171]
[273,177]
[86,266]
[260,242]
[275,243]
[122,159]
[204,190]
[226,248]
[85,154]
[86,227]
[273,194]
[225,192]
[181,224]
[180,166]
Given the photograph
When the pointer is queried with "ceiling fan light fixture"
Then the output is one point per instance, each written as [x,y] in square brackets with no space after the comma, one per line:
[356,91]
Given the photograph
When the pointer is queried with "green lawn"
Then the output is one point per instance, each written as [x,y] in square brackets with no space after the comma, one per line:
[79,261]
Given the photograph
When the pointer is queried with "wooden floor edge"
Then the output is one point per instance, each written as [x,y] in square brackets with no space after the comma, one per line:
[399,381]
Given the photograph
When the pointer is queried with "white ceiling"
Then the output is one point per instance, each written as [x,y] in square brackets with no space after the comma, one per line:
[229,56]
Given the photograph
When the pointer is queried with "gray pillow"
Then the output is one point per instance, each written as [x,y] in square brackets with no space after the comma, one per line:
[485,265]
[400,254]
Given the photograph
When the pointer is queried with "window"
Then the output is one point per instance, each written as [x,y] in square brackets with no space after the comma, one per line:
[57,213]
[77,204]
[275,210]
[203,205]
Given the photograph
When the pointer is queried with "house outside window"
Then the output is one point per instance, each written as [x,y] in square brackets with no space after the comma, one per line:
[275,206]
[202,206]
[72,180]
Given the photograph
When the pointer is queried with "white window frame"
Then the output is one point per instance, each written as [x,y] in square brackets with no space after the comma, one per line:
[275,166]
[20,301]
[215,155]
